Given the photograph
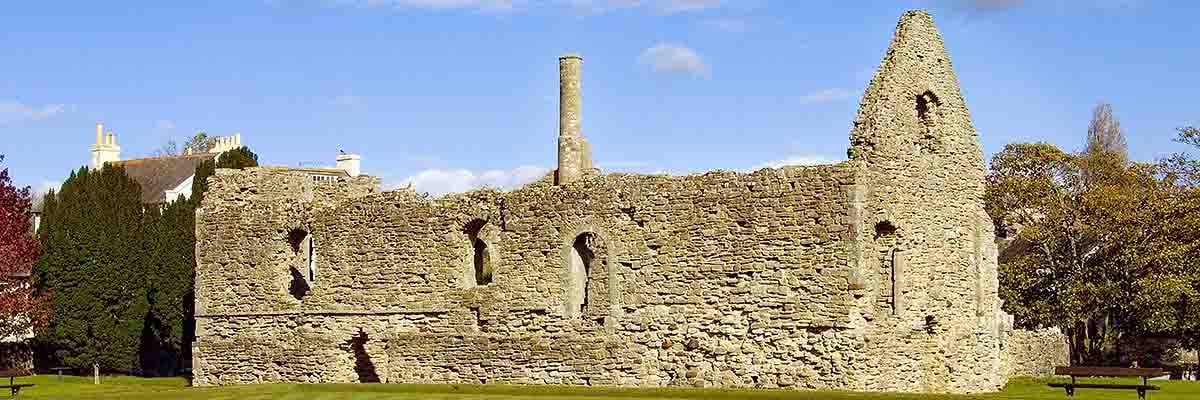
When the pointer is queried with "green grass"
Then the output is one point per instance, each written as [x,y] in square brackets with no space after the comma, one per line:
[122,387]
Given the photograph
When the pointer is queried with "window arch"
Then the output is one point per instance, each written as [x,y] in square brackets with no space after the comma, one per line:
[480,270]
[928,114]
[302,267]
[580,259]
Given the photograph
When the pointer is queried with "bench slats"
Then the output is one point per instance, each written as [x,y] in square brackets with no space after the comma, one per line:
[1108,371]
[1104,386]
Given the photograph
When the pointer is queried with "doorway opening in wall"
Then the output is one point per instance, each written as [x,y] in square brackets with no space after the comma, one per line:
[580,267]
[481,260]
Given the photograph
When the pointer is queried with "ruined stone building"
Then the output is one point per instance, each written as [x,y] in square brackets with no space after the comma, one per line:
[877,273]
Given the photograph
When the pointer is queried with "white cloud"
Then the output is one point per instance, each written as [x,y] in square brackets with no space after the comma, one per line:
[579,7]
[12,111]
[438,182]
[801,159]
[660,7]
[728,25]
[826,96]
[476,5]
[672,57]
[48,185]
[164,124]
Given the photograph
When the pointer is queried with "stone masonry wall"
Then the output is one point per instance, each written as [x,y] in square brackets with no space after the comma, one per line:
[1035,353]
[878,273]
[736,264]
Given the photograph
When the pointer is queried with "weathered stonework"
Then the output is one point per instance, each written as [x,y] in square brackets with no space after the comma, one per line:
[1034,353]
[877,273]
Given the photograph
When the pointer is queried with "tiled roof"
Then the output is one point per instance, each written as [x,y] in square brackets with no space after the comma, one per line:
[159,174]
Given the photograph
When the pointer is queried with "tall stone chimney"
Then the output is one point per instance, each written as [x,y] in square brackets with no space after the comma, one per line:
[106,148]
[349,163]
[574,153]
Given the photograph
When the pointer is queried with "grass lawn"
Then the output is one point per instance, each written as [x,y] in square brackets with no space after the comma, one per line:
[48,387]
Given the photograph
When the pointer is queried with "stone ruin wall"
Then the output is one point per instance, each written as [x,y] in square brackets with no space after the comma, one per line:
[750,267]
[722,279]
[878,273]
[1034,353]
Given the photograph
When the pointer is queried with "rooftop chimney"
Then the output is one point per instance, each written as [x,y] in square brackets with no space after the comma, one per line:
[349,163]
[106,149]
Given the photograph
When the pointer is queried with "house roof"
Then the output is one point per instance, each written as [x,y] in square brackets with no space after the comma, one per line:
[160,174]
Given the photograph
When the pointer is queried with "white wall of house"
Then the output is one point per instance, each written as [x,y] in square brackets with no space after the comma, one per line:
[184,189]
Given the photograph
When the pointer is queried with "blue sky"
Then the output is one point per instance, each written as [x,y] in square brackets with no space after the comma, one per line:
[448,94]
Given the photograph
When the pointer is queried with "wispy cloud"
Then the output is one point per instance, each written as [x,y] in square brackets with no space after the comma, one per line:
[659,7]
[727,25]
[473,5]
[674,58]
[580,7]
[13,111]
[826,96]
[993,4]
[982,7]
[800,159]
[438,182]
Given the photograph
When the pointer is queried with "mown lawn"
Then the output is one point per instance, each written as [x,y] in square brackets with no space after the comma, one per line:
[48,387]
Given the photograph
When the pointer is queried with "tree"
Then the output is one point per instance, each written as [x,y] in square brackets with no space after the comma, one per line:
[198,143]
[1099,249]
[98,236]
[1104,134]
[1184,171]
[238,158]
[168,149]
[21,310]
[1180,165]
[95,267]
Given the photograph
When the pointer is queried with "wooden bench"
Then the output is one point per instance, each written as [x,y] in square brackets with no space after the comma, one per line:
[60,370]
[12,375]
[1083,372]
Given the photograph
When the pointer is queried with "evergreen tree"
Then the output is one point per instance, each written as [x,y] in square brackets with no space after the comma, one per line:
[238,158]
[94,269]
[121,273]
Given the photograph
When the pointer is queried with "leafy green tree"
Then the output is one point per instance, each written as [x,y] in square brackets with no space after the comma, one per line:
[93,268]
[1096,246]
[198,143]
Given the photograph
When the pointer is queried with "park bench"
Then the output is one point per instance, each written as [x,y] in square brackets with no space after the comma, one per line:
[59,371]
[1083,372]
[12,375]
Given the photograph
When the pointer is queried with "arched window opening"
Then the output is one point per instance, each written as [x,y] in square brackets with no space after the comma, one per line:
[481,260]
[889,272]
[927,115]
[579,269]
[303,259]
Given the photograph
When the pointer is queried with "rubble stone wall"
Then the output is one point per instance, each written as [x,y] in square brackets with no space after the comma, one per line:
[1035,353]
[877,273]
